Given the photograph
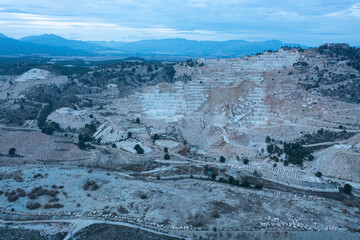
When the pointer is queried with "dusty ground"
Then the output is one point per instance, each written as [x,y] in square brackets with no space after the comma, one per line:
[167,204]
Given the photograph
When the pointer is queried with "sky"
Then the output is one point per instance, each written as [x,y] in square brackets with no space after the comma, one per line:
[309,22]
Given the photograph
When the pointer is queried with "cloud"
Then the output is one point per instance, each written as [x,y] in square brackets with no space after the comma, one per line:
[354,10]
[307,21]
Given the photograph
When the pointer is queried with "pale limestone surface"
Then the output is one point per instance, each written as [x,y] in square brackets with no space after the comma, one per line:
[69,118]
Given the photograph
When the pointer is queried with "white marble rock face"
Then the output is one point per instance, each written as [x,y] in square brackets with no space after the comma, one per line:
[70,118]
[33,74]
[109,133]
[186,98]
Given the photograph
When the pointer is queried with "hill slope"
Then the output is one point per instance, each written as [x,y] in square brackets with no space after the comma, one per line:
[57,41]
[162,48]
[9,46]
[183,47]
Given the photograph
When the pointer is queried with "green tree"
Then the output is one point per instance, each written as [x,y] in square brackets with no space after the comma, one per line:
[155,137]
[81,144]
[12,151]
[222,159]
[270,148]
[167,156]
[231,180]
[318,174]
[139,149]
[347,188]
[245,183]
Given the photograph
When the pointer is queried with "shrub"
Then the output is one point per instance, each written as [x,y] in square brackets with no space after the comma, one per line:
[167,156]
[246,161]
[90,184]
[143,196]
[259,186]
[7,194]
[32,206]
[215,215]
[94,186]
[318,174]
[122,210]
[22,193]
[54,199]
[222,159]
[39,192]
[114,145]
[13,198]
[47,206]
[39,175]
[32,195]
[166,149]
[87,185]
[18,178]
[57,205]
[197,224]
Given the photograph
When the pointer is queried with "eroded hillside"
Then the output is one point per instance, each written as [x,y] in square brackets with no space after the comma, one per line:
[172,146]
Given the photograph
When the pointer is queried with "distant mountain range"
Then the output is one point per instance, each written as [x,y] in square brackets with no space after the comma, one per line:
[52,45]
[10,46]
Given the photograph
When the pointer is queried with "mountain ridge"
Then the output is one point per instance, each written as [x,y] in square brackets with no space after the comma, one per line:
[52,44]
[10,46]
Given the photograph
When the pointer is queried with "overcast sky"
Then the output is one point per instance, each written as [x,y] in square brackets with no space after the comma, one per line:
[310,22]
